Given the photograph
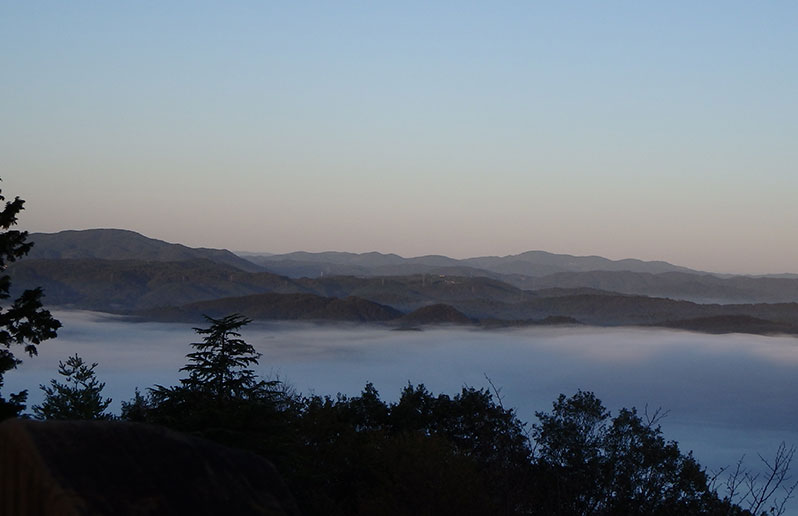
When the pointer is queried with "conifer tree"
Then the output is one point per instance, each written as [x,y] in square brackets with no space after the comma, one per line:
[79,397]
[221,390]
[220,365]
[25,322]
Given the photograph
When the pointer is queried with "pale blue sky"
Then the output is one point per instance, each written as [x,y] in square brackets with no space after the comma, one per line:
[626,129]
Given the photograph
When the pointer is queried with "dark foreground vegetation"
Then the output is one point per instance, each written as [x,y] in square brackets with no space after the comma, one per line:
[118,468]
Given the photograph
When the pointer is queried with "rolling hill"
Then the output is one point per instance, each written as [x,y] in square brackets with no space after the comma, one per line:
[538,270]
[123,285]
[274,306]
[121,244]
[700,288]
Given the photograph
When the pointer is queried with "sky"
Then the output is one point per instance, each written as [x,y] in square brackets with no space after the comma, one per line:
[651,130]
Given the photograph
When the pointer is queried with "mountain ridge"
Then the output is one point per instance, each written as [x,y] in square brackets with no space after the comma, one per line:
[124,244]
[529,263]
[123,272]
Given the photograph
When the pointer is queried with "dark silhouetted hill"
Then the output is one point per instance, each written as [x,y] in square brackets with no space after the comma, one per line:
[285,307]
[121,244]
[436,314]
[408,293]
[700,288]
[732,324]
[554,320]
[121,285]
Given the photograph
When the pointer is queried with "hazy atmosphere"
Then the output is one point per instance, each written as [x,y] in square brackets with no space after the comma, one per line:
[622,129]
[260,226]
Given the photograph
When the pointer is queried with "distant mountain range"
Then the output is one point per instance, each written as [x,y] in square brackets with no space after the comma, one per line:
[124,272]
[530,263]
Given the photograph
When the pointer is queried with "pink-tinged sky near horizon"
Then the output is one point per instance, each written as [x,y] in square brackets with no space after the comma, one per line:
[659,131]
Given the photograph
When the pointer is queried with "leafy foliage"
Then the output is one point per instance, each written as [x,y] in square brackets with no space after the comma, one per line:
[592,463]
[79,397]
[355,454]
[25,322]
[424,454]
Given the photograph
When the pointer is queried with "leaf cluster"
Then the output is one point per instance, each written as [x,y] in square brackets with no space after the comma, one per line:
[424,454]
[591,463]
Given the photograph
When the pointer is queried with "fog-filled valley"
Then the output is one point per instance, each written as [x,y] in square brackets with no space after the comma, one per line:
[399,259]
[726,395]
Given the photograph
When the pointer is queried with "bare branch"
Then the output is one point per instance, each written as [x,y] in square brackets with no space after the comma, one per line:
[761,489]
[654,419]
[496,392]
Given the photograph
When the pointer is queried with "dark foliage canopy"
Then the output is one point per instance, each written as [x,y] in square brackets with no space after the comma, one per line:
[591,463]
[222,396]
[463,454]
[79,397]
[25,322]
[220,365]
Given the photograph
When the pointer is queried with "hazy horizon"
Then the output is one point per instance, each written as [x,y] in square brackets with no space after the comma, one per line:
[623,130]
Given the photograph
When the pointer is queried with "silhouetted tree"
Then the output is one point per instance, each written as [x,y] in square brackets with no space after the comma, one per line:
[479,428]
[591,463]
[425,454]
[222,397]
[220,364]
[136,409]
[25,322]
[79,397]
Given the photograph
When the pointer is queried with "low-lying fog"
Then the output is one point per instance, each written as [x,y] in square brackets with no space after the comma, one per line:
[727,395]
